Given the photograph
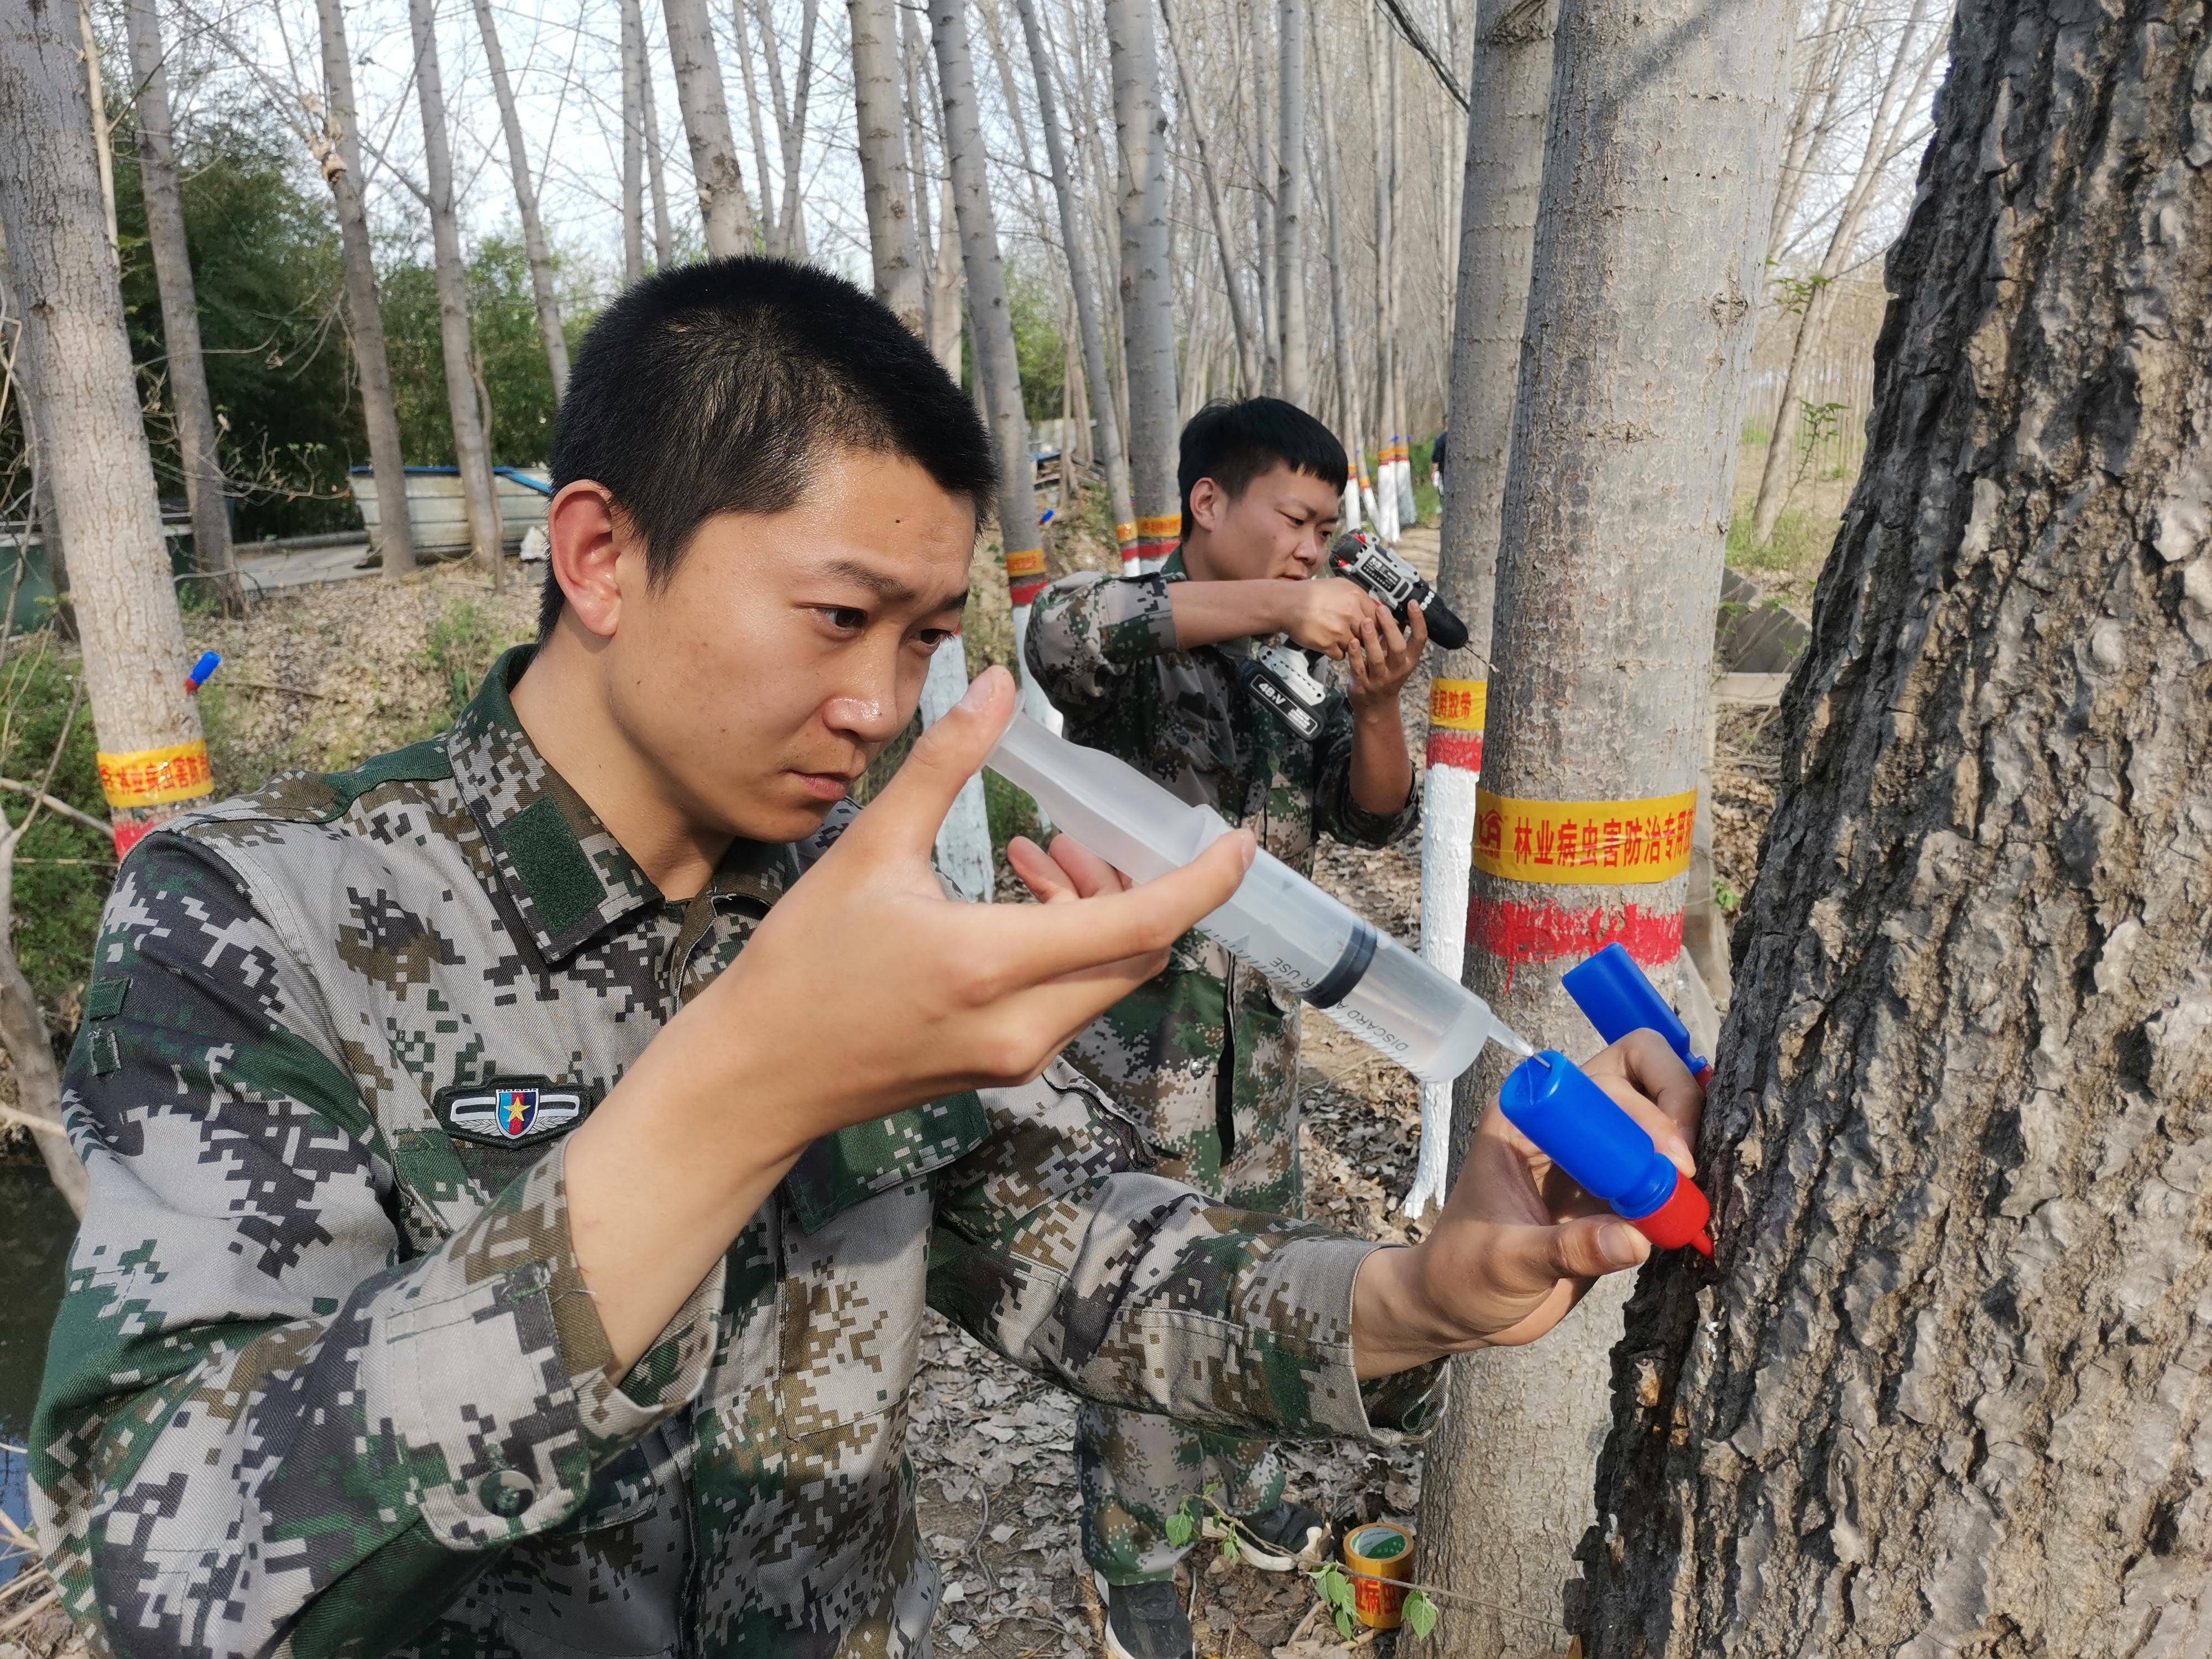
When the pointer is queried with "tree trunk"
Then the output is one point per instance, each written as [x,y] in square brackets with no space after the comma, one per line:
[1508,91]
[29,1049]
[471,455]
[633,162]
[1339,320]
[1290,196]
[1897,105]
[1074,244]
[793,135]
[656,169]
[337,150]
[1147,281]
[1944,1395]
[180,311]
[1248,364]
[1641,312]
[103,143]
[723,207]
[880,108]
[534,246]
[771,222]
[1384,55]
[991,319]
[153,759]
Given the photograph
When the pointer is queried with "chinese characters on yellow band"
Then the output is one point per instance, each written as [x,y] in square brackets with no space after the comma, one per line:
[155,777]
[1458,705]
[1584,843]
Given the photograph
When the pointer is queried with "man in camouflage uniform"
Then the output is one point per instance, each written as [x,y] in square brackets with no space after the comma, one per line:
[1152,669]
[491,1252]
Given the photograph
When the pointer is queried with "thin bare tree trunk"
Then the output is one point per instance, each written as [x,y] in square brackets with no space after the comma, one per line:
[997,371]
[1383,53]
[1944,1393]
[1263,201]
[180,311]
[152,757]
[1509,92]
[1340,308]
[1195,117]
[1290,198]
[103,141]
[656,168]
[472,454]
[1074,244]
[337,150]
[1147,279]
[948,286]
[771,223]
[534,246]
[1896,105]
[633,120]
[879,108]
[794,134]
[1642,307]
[725,212]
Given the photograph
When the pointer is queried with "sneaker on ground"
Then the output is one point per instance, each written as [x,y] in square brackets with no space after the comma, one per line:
[1285,1537]
[1145,1621]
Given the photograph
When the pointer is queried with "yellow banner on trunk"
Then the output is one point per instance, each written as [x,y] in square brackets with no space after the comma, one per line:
[1584,842]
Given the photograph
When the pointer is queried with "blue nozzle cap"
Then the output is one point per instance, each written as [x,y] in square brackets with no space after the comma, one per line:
[1615,997]
[209,662]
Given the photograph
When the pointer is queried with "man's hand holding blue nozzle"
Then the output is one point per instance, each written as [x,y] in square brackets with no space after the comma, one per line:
[1518,1223]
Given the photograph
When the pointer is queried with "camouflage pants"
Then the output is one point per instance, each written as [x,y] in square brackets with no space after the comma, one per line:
[1137,1469]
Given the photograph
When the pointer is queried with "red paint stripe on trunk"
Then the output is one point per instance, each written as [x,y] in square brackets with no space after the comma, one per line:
[1459,749]
[1518,933]
[1024,592]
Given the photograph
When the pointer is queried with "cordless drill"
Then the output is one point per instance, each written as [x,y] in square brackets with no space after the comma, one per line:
[1359,557]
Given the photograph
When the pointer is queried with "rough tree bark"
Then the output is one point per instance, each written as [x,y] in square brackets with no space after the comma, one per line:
[337,150]
[1641,312]
[1509,92]
[471,450]
[535,248]
[723,207]
[879,108]
[1290,199]
[1910,61]
[633,151]
[1147,279]
[152,756]
[991,328]
[1082,281]
[1946,1393]
[180,311]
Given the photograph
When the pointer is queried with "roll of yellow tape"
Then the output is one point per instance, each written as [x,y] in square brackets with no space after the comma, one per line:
[1375,1553]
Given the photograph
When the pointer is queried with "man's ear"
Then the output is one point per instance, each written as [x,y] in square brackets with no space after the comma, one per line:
[1209,505]
[588,539]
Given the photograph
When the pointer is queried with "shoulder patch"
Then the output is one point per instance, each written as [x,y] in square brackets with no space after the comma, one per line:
[418,763]
[104,1000]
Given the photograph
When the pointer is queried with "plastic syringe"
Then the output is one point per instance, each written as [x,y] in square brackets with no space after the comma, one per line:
[1277,920]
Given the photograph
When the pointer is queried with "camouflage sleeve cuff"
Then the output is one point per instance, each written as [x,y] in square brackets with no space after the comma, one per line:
[508,1420]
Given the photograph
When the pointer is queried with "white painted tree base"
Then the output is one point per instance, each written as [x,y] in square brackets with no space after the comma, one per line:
[1447,858]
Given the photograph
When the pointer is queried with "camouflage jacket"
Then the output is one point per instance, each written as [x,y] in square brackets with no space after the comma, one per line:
[326,1379]
[1209,1050]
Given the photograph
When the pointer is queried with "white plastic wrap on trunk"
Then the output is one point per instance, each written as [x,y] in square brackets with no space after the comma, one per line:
[1407,513]
[1351,519]
[1447,853]
[964,840]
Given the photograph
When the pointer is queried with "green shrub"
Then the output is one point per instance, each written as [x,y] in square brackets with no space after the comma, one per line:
[463,643]
[57,904]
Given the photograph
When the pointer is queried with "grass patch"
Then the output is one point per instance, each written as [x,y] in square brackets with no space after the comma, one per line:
[1801,541]
[463,643]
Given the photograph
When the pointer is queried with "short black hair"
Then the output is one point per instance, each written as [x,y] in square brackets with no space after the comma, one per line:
[715,388]
[1233,444]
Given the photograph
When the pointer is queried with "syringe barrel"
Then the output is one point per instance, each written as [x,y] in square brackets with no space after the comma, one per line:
[1277,921]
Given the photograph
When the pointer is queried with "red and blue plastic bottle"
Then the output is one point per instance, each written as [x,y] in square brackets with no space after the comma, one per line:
[1579,1127]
